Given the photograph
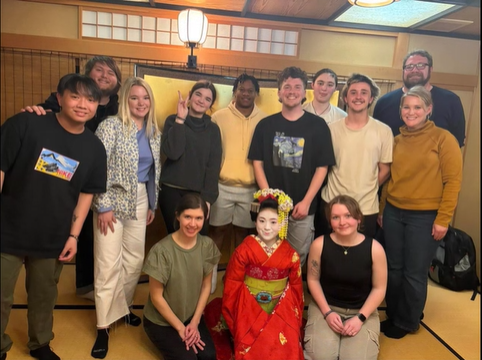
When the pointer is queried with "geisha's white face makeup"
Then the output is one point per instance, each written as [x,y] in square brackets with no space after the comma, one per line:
[267,226]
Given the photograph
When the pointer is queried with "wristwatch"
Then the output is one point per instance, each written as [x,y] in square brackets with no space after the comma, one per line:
[361,317]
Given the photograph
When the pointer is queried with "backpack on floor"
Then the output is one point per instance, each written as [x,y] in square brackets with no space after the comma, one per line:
[454,264]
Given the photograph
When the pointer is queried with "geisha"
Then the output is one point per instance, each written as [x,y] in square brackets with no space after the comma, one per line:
[263,293]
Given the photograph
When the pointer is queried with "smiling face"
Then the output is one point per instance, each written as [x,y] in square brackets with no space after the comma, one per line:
[358,97]
[267,226]
[414,112]
[292,92]
[191,222]
[139,102]
[415,76]
[342,222]
[77,107]
[200,102]
[323,88]
[105,78]
[245,95]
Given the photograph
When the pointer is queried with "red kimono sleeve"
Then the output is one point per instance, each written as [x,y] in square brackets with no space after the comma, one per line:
[233,286]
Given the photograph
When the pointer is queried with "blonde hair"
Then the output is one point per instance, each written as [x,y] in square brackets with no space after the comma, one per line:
[420,92]
[152,128]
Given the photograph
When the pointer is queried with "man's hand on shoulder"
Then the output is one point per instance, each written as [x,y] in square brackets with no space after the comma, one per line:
[39,110]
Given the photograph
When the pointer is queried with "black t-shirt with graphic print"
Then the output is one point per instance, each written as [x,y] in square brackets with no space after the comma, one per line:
[291,151]
[46,168]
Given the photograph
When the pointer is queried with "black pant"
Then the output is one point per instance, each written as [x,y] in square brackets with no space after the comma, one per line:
[84,259]
[322,226]
[169,343]
[169,197]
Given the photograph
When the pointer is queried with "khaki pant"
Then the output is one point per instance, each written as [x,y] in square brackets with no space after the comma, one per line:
[322,343]
[42,277]
[118,259]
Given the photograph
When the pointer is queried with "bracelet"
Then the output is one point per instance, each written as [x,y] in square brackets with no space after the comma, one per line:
[180,118]
[328,313]
[75,237]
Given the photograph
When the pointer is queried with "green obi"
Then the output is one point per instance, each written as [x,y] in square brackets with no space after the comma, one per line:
[266,292]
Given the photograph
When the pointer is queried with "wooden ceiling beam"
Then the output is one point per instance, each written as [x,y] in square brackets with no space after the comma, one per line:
[247,4]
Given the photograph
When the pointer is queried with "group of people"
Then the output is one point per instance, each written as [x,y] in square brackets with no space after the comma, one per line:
[320,171]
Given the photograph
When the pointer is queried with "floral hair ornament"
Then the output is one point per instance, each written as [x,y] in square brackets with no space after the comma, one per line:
[285,205]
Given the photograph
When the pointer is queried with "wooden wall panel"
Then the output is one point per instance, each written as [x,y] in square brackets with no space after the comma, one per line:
[28,77]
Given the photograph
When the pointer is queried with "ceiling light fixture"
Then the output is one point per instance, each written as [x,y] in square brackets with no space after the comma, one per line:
[371,3]
[192,27]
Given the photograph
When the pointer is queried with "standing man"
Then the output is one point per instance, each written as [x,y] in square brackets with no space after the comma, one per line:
[447,112]
[363,152]
[324,85]
[107,75]
[291,151]
[236,179]
[50,168]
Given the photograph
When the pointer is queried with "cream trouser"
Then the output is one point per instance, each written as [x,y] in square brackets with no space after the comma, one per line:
[118,259]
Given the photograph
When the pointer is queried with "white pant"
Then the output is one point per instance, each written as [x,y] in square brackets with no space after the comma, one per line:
[118,259]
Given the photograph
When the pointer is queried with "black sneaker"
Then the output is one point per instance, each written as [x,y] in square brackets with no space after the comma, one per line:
[44,353]
[385,324]
[132,319]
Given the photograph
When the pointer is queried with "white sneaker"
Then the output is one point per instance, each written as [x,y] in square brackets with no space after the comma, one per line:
[214,279]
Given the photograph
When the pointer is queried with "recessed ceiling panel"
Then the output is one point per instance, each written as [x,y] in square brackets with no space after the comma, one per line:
[404,13]
[311,9]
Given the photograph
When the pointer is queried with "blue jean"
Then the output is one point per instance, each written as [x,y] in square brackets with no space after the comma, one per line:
[410,248]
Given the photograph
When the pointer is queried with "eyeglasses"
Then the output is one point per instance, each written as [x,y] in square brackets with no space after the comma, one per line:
[419,66]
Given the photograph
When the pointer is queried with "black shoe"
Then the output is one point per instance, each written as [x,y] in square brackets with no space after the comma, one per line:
[3,357]
[395,332]
[44,353]
[132,319]
[385,324]
[422,316]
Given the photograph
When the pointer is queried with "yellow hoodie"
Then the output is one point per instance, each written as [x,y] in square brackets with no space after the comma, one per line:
[236,134]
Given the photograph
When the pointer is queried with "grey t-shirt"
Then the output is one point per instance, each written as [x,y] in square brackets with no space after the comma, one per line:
[181,271]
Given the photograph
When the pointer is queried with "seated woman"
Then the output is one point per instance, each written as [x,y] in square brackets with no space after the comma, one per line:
[180,268]
[347,278]
[263,291]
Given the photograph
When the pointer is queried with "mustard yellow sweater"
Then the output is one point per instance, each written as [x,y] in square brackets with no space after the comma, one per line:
[426,172]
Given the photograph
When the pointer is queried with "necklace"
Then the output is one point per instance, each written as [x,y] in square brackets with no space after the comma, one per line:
[321,112]
[345,249]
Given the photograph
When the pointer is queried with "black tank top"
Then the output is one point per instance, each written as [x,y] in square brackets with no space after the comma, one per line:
[346,280]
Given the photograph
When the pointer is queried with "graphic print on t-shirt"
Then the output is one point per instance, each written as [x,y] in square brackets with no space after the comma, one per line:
[55,164]
[288,151]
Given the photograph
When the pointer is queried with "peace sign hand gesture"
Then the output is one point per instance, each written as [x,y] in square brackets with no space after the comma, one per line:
[182,110]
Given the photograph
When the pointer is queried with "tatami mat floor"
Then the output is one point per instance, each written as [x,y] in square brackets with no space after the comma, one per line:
[450,329]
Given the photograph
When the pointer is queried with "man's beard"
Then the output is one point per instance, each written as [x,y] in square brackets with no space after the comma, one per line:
[422,81]
[107,92]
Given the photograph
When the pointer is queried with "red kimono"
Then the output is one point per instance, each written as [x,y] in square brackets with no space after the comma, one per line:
[257,334]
